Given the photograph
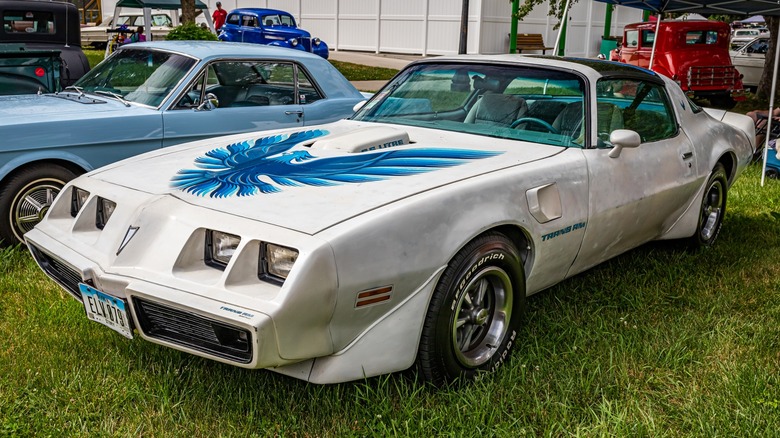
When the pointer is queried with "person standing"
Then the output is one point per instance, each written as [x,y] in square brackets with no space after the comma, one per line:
[219,17]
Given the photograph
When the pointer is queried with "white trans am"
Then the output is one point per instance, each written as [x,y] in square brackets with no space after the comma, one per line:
[410,234]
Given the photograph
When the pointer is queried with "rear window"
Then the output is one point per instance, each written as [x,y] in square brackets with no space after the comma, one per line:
[701,37]
[28,22]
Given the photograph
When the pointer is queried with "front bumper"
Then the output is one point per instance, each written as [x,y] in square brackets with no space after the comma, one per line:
[177,319]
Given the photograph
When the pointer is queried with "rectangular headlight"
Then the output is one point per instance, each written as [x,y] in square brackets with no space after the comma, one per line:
[105,209]
[277,261]
[220,248]
[78,198]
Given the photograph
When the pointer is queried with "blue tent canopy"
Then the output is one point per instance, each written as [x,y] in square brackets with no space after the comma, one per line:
[731,7]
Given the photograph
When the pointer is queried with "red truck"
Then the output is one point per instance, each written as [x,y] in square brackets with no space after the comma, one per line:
[693,53]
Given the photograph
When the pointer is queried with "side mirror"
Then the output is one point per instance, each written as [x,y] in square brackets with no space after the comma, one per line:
[623,138]
[209,104]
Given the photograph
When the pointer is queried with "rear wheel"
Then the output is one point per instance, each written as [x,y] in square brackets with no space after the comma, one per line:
[26,197]
[712,210]
[772,173]
[475,311]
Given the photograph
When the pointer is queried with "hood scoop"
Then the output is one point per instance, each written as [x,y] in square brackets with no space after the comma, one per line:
[366,139]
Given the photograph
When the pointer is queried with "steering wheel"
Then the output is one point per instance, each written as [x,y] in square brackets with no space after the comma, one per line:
[534,121]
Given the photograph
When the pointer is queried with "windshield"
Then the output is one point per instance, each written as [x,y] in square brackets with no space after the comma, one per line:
[140,76]
[514,102]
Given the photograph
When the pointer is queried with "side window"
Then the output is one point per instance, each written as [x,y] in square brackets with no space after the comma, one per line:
[287,20]
[254,83]
[194,95]
[632,38]
[636,105]
[233,19]
[249,21]
[648,36]
[307,92]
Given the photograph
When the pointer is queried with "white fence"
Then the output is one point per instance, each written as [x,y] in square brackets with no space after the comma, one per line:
[432,27]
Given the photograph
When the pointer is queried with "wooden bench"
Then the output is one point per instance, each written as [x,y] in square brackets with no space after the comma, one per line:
[531,41]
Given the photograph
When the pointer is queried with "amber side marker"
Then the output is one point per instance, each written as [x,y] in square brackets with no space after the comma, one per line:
[373,296]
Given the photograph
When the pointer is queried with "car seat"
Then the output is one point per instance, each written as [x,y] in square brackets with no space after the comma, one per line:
[497,110]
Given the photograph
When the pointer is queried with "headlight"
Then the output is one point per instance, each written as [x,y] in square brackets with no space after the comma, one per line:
[105,209]
[78,198]
[220,248]
[294,42]
[316,41]
[277,261]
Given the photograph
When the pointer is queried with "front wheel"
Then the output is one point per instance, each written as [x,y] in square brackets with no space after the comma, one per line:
[712,210]
[475,312]
[26,197]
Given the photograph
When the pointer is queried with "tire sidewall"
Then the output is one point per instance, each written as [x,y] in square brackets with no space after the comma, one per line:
[718,174]
[17,185]
[495,252]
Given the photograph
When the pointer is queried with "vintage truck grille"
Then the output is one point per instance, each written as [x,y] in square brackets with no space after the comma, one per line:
[63,274]
[712,76]
[193,331]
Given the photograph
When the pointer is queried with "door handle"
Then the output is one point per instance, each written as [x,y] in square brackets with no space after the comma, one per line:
[687,155]
[299,113]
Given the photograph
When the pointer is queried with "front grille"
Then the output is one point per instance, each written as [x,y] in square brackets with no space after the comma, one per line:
[63,274]
[194,331]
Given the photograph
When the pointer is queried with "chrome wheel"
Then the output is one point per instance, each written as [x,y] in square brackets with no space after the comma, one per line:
[712,209]
[481,317]
[31,205]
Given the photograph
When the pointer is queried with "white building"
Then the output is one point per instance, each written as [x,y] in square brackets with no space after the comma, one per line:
[432,27]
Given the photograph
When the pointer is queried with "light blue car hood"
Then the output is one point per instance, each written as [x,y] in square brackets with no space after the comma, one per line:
[26,108]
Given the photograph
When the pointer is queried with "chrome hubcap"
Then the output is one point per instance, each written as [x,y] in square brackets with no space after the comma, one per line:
[31,206]
[711,210]
[481,317]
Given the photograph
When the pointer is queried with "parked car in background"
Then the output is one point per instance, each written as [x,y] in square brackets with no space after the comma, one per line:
[98,36]
[271,27]
[695,54]
[39,46]
[150,95]
[411,233]
[749,60]
[740,37]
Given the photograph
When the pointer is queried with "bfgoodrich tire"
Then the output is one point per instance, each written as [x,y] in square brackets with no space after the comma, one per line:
[26,197]
[475,311]
[712,209]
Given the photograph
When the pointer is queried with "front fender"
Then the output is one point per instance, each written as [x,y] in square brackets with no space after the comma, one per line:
[50,155]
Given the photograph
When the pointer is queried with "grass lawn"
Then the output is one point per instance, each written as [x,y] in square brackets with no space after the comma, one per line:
[658,341]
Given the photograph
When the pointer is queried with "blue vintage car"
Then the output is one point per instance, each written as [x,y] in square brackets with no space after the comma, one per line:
[271,27]
[150,95]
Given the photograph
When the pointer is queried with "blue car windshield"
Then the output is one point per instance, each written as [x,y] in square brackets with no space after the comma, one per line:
[137,75]
[533,104]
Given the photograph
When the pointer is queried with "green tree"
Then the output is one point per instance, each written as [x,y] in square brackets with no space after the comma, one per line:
[556,9]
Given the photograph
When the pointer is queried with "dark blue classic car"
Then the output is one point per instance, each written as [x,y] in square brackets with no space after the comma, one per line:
[271,27]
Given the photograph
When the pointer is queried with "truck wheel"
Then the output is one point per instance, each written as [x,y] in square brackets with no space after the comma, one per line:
[26,197]
[712,210]
[475,311]
[772,173]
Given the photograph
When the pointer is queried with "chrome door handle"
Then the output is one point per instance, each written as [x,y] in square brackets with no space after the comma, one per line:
[687,155]
[300,113]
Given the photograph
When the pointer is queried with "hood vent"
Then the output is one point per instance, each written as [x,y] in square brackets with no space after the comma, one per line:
[367,139]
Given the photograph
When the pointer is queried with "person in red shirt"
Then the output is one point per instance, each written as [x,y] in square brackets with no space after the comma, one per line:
[219,17]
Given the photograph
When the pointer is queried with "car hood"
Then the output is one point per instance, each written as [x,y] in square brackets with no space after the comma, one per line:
[311,179]
[23,108]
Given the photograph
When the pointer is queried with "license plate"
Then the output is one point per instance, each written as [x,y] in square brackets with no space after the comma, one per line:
[105,309]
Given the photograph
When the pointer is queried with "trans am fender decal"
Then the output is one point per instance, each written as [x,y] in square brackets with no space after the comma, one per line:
[563,231]
[237,169]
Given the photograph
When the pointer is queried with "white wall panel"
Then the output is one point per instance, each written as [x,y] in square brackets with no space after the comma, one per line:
[433,26]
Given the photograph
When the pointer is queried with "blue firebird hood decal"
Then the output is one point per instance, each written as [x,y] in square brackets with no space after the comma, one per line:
[238,168]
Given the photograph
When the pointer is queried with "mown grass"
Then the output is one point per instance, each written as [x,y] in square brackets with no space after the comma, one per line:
[656,342]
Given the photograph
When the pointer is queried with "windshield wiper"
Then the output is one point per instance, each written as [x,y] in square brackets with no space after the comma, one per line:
[114,95]
[79,89]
